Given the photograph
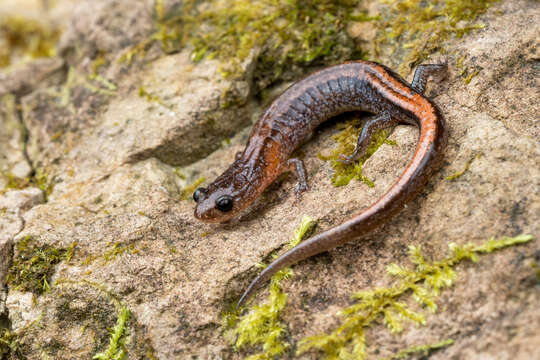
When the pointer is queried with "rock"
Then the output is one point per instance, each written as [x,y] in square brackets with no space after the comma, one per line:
[13,205]
[13,164]
[113,153]
[22,309]
[188,121]
[40,73]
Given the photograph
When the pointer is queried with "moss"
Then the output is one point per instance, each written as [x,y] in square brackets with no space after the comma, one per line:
[150,97]
[117,249]
[96,84]
[465,73]
[98,62]
[40,179]
[14,182]
[419,27]
[467,79]
[460,173]
[22,38]
[116,349]
[43,182]
[346,140]
[9,344]
[33,265]
[536,267]
[118,334]
[423,350]
[188,190]
[10,341]
[261,326]
[389,305]
[285,33]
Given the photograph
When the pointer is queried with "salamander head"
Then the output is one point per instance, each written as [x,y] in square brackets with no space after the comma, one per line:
[223,199]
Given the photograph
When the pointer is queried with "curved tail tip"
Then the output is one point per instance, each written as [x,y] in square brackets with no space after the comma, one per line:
[244,296]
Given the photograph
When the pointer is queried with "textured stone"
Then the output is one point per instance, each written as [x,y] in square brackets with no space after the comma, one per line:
[118,196]
[13,163]
[27,77]
[13,205]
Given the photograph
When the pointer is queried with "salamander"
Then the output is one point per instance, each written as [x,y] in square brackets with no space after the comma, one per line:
[291,120]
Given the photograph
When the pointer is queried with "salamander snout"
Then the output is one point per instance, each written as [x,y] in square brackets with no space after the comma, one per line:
[215,206]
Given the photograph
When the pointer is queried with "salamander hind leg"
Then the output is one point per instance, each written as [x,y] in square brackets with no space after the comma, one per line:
[374,123]
[297,166]
[423,72]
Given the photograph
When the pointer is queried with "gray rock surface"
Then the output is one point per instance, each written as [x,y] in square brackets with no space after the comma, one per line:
[112,157]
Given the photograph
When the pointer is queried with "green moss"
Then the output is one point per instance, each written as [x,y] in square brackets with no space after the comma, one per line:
[43,182]
[22,38]
[93,83]
[14,182]
[117,249]
[390,306]
[460,173]
[33,265]
[346,140]
[261,326]
[536,267]
[423,350]
[283,32]
[467,79]
[98,62]
[9,344]
[420,27]
[117,339]
[150,97]
[116,349]
[465,73]
[188,190]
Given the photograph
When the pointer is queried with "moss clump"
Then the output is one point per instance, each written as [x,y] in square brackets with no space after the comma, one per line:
[117,249]
[424,283]
[116,349]
[9,344]
[283,32]
[22,38]
[261,326]
[33,265]
[420,27]
[10,341]
[346,140]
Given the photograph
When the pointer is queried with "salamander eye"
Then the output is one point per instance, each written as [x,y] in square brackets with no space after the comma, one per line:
[197,195]
[224,203]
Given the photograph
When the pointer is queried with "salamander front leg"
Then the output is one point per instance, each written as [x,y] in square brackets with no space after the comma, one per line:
[373,124]
[297,166]
[423,72]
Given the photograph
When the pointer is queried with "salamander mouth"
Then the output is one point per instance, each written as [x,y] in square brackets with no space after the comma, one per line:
[208,217]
